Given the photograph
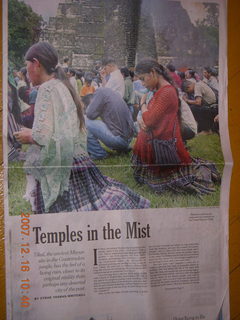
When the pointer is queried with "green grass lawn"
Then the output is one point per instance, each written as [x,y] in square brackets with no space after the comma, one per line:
[119,167]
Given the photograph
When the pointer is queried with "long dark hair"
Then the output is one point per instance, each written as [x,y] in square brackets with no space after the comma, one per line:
[148,65]
[47,55]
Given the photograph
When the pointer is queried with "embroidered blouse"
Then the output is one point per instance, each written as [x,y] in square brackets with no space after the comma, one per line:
[56,130]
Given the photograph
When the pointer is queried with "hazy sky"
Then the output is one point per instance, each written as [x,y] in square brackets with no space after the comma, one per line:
[46,8]
[195,10]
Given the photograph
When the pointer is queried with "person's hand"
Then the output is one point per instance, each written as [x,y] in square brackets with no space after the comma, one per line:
[184,97]
[102,73]
[142,125]
[24,136]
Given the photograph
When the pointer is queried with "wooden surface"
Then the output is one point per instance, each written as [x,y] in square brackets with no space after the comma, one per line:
[234,127]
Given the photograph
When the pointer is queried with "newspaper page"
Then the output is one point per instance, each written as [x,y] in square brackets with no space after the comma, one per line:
[103,221]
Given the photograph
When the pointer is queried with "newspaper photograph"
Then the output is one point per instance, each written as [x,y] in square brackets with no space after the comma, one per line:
[117,159]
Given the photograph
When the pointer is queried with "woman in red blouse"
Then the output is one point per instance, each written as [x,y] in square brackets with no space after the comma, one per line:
[160,119]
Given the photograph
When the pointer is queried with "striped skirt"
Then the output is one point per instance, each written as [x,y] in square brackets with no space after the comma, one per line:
[197,177]
[89,190]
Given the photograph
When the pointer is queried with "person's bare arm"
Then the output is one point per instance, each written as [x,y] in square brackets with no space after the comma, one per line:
[197,101]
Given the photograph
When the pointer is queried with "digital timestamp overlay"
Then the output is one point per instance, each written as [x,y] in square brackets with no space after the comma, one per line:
[25,267]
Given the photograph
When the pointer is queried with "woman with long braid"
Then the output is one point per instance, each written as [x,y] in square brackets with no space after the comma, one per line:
[66,178]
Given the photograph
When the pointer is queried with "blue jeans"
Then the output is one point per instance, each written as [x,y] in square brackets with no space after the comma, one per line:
[98,131]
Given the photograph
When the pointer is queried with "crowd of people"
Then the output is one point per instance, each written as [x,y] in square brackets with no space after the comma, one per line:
[68,116]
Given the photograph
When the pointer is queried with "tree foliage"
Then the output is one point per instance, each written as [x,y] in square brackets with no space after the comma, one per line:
[209,29]
[24,28]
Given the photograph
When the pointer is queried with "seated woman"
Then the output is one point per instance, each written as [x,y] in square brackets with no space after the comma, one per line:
[161,122]
[66,178]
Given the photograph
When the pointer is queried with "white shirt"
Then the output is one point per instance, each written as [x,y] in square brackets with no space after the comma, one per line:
[213,82]
[116,82]
[187,118]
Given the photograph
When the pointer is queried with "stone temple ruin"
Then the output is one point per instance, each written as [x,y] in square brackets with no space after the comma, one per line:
[127,30]
[87,30]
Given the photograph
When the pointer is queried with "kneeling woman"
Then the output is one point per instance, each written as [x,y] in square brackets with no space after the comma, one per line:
[161,123]
[66,179]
